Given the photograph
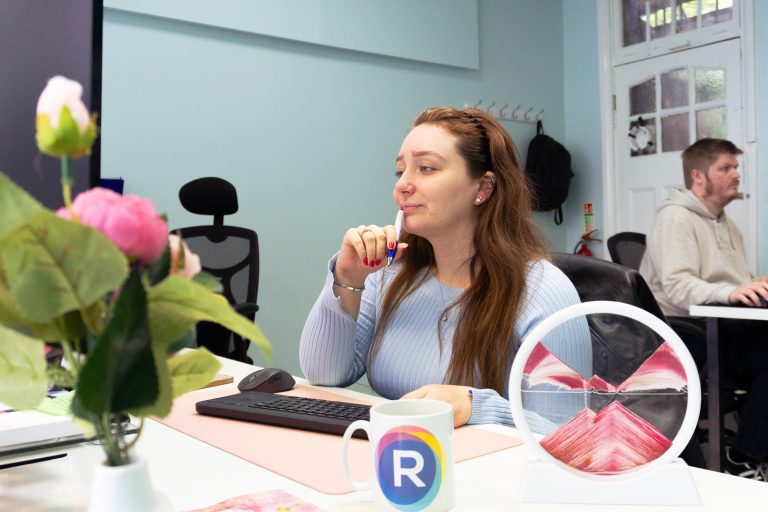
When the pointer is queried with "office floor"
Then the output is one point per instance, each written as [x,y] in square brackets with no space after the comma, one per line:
[731,423]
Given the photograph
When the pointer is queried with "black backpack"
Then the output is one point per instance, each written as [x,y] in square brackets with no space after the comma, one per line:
[549,171]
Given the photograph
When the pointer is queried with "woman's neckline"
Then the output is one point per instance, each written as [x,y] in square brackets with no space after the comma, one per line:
[447,287]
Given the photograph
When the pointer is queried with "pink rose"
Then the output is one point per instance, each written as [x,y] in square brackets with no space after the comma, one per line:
[130,222]
[191,261]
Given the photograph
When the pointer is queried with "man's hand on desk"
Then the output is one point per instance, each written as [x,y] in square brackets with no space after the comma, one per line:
[457,396]
[750,293]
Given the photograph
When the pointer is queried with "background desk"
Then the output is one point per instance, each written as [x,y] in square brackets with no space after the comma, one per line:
[193,474]
[714,407]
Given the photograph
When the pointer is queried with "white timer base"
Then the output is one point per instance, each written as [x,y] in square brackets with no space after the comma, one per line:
[666,484]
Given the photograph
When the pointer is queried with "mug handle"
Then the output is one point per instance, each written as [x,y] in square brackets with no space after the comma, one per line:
[357,425]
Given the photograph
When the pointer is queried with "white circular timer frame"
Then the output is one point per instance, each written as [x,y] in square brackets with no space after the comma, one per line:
[618,308]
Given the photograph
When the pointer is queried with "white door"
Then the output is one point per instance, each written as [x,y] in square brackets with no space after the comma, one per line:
[663,104]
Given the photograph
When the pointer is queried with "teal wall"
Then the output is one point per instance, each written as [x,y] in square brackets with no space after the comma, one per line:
[581,94]
[761,94]
[308,133]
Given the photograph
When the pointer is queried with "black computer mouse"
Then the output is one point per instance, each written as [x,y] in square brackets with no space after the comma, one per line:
[267,380]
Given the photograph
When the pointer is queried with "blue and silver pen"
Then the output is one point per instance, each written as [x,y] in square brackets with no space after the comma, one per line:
[398,227]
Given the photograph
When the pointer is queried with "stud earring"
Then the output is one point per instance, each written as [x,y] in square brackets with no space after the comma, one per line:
[478,200]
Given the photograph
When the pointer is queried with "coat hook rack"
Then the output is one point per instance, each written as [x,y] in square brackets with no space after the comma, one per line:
[507,113]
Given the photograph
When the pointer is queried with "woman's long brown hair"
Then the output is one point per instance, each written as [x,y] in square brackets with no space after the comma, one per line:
[505,242]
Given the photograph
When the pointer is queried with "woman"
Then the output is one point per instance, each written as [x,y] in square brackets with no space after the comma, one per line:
[468,283]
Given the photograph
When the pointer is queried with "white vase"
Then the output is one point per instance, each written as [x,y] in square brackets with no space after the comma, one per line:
[125,489]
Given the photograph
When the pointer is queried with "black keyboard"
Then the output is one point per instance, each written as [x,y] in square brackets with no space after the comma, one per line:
[327,416]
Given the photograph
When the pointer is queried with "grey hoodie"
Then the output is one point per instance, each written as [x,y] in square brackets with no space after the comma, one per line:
[692,257]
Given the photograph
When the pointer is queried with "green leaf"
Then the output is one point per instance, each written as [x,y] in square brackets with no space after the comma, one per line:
[177,304]
[187,341]
[12,318]
[66,139]
[209,281]
[162,405]
[84,419]
[60,377]
[23,382]
[54,266]
[16,206]
[192,370]
[160,268]
[9,311]
[120,373]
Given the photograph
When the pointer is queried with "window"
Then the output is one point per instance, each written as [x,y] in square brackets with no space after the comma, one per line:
[684,109]
[655,27]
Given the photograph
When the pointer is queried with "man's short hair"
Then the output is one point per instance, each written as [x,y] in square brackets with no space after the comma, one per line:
[703,153]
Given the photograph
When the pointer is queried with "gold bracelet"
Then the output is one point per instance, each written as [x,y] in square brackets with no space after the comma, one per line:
[338,283]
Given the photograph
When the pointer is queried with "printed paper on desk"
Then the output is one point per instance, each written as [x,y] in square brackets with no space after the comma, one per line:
[267,501]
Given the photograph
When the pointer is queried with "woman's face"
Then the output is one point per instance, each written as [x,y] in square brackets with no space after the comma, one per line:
[434,188]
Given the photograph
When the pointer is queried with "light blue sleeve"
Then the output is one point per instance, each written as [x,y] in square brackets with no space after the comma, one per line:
[549,291]
[333,350]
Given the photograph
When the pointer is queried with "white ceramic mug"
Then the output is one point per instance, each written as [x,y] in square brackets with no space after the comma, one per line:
[412,442]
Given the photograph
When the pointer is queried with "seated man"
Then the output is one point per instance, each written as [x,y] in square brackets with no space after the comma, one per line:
[695,255]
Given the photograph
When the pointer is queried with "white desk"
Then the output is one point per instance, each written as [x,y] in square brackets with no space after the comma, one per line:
[714,407]
[193,474]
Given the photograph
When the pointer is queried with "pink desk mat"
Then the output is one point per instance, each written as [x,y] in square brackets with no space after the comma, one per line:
[309,458]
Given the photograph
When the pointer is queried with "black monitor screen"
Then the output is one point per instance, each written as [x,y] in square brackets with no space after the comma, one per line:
[40,39]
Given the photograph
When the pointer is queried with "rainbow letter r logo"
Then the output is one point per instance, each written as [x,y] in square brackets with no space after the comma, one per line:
[411,467]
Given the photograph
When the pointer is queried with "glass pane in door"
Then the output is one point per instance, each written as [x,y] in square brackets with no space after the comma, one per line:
[716,11]
[660,18]
[642,97]
[633,21]
[709,84]
[711,123]
[675,135]
[685,15]
[674,88]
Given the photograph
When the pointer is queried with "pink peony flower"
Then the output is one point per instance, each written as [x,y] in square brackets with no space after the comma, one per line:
[130,222]
[191,261]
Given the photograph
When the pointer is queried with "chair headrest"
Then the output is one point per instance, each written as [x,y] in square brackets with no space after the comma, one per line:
[209,196]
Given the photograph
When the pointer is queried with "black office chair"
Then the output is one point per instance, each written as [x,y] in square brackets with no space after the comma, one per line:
[617,346]
[627,248]
[229,253]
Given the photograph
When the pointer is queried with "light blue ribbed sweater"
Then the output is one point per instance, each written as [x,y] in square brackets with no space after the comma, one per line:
[334,347]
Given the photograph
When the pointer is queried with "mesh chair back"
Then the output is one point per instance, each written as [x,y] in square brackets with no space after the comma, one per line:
[229,253]
[627,248]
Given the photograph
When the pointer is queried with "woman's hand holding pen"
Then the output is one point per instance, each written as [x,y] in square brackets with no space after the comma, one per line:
[365,249]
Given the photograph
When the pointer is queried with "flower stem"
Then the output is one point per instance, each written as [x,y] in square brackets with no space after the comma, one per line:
[66,180]
[117,455]
[74,366]
[109,448]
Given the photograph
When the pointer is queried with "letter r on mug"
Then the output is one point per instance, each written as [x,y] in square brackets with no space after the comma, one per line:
[411,471]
